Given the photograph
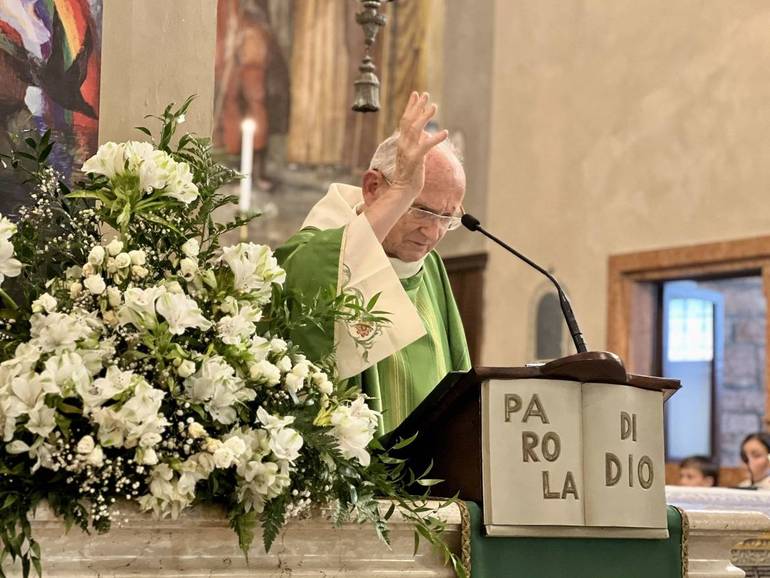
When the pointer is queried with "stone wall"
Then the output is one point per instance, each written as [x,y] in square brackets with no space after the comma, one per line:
[741,393]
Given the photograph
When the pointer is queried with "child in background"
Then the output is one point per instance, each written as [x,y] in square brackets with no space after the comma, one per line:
[698,471]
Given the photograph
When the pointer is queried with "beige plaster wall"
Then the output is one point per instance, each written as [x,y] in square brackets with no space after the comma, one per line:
[619,126]
[464,99]
[154,53]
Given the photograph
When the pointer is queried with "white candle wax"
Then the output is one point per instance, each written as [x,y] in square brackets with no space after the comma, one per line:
[248,127]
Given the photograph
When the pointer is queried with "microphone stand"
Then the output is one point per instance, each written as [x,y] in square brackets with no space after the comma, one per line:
[473,224]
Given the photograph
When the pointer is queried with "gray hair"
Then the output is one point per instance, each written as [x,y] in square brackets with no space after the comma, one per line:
[384,158]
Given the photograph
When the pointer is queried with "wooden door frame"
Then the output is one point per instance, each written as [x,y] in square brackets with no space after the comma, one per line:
[629,271]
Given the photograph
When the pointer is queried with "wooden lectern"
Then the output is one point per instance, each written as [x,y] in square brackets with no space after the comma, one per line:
[449,422]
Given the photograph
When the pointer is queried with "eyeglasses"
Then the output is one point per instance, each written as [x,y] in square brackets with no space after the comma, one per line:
[426,217]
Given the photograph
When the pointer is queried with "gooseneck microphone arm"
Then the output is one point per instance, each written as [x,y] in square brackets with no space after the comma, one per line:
[473,224]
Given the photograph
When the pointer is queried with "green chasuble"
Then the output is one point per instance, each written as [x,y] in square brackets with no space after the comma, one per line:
[397,383]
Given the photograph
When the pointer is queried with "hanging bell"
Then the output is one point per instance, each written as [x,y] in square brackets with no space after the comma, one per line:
[367,88]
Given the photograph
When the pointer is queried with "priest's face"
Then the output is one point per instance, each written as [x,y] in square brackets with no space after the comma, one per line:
[418,231]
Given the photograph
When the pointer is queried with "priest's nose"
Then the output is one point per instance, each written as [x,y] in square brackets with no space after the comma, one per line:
[433,231]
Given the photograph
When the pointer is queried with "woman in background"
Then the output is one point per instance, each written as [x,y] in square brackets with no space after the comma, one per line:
[755,453]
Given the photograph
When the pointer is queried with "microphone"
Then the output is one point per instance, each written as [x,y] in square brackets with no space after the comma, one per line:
[473,224]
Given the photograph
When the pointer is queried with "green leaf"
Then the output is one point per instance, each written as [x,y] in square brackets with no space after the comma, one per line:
[428,482]
[403,443]
[98,195]
[38,566]
[64,407]
[43,154]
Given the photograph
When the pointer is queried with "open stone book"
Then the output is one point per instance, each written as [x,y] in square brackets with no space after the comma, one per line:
[564,458]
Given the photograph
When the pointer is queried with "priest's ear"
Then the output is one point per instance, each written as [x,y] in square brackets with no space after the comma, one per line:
[373,185]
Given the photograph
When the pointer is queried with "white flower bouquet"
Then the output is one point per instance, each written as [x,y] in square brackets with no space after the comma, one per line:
[141,361]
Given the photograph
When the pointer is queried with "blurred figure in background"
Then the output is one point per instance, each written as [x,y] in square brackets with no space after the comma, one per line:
[248,59]
[698,471]
[754,453]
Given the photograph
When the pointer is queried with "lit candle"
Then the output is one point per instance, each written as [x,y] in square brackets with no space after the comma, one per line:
[248,127]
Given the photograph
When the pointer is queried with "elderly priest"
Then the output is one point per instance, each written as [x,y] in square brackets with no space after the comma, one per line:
[380,239]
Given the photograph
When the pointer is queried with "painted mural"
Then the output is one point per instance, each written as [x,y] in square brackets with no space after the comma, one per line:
[49,65]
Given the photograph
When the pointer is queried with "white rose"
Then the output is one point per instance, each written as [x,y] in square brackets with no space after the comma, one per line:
[293,383]
[110,318]
[203,463]
[45,302]
[326,387]
[284,364]
[88,270]
[111,265]
[95,284]
[196,430]
[114,247]
[139,272]
[212,444]
[113,296]
[96,256]
[149,457]
[149,439]
[224,457]
[191,248]
[74,272]
[122,261]
[322,382]
[301,369]
[96,457]
[137,257]
[75,290]
[278,346]
[186,368]
[266,372]
[86,445]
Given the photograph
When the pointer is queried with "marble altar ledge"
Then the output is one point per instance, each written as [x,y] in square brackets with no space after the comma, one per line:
[200,544]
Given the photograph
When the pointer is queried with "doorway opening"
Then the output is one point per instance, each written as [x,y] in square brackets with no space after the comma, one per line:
[698,313]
